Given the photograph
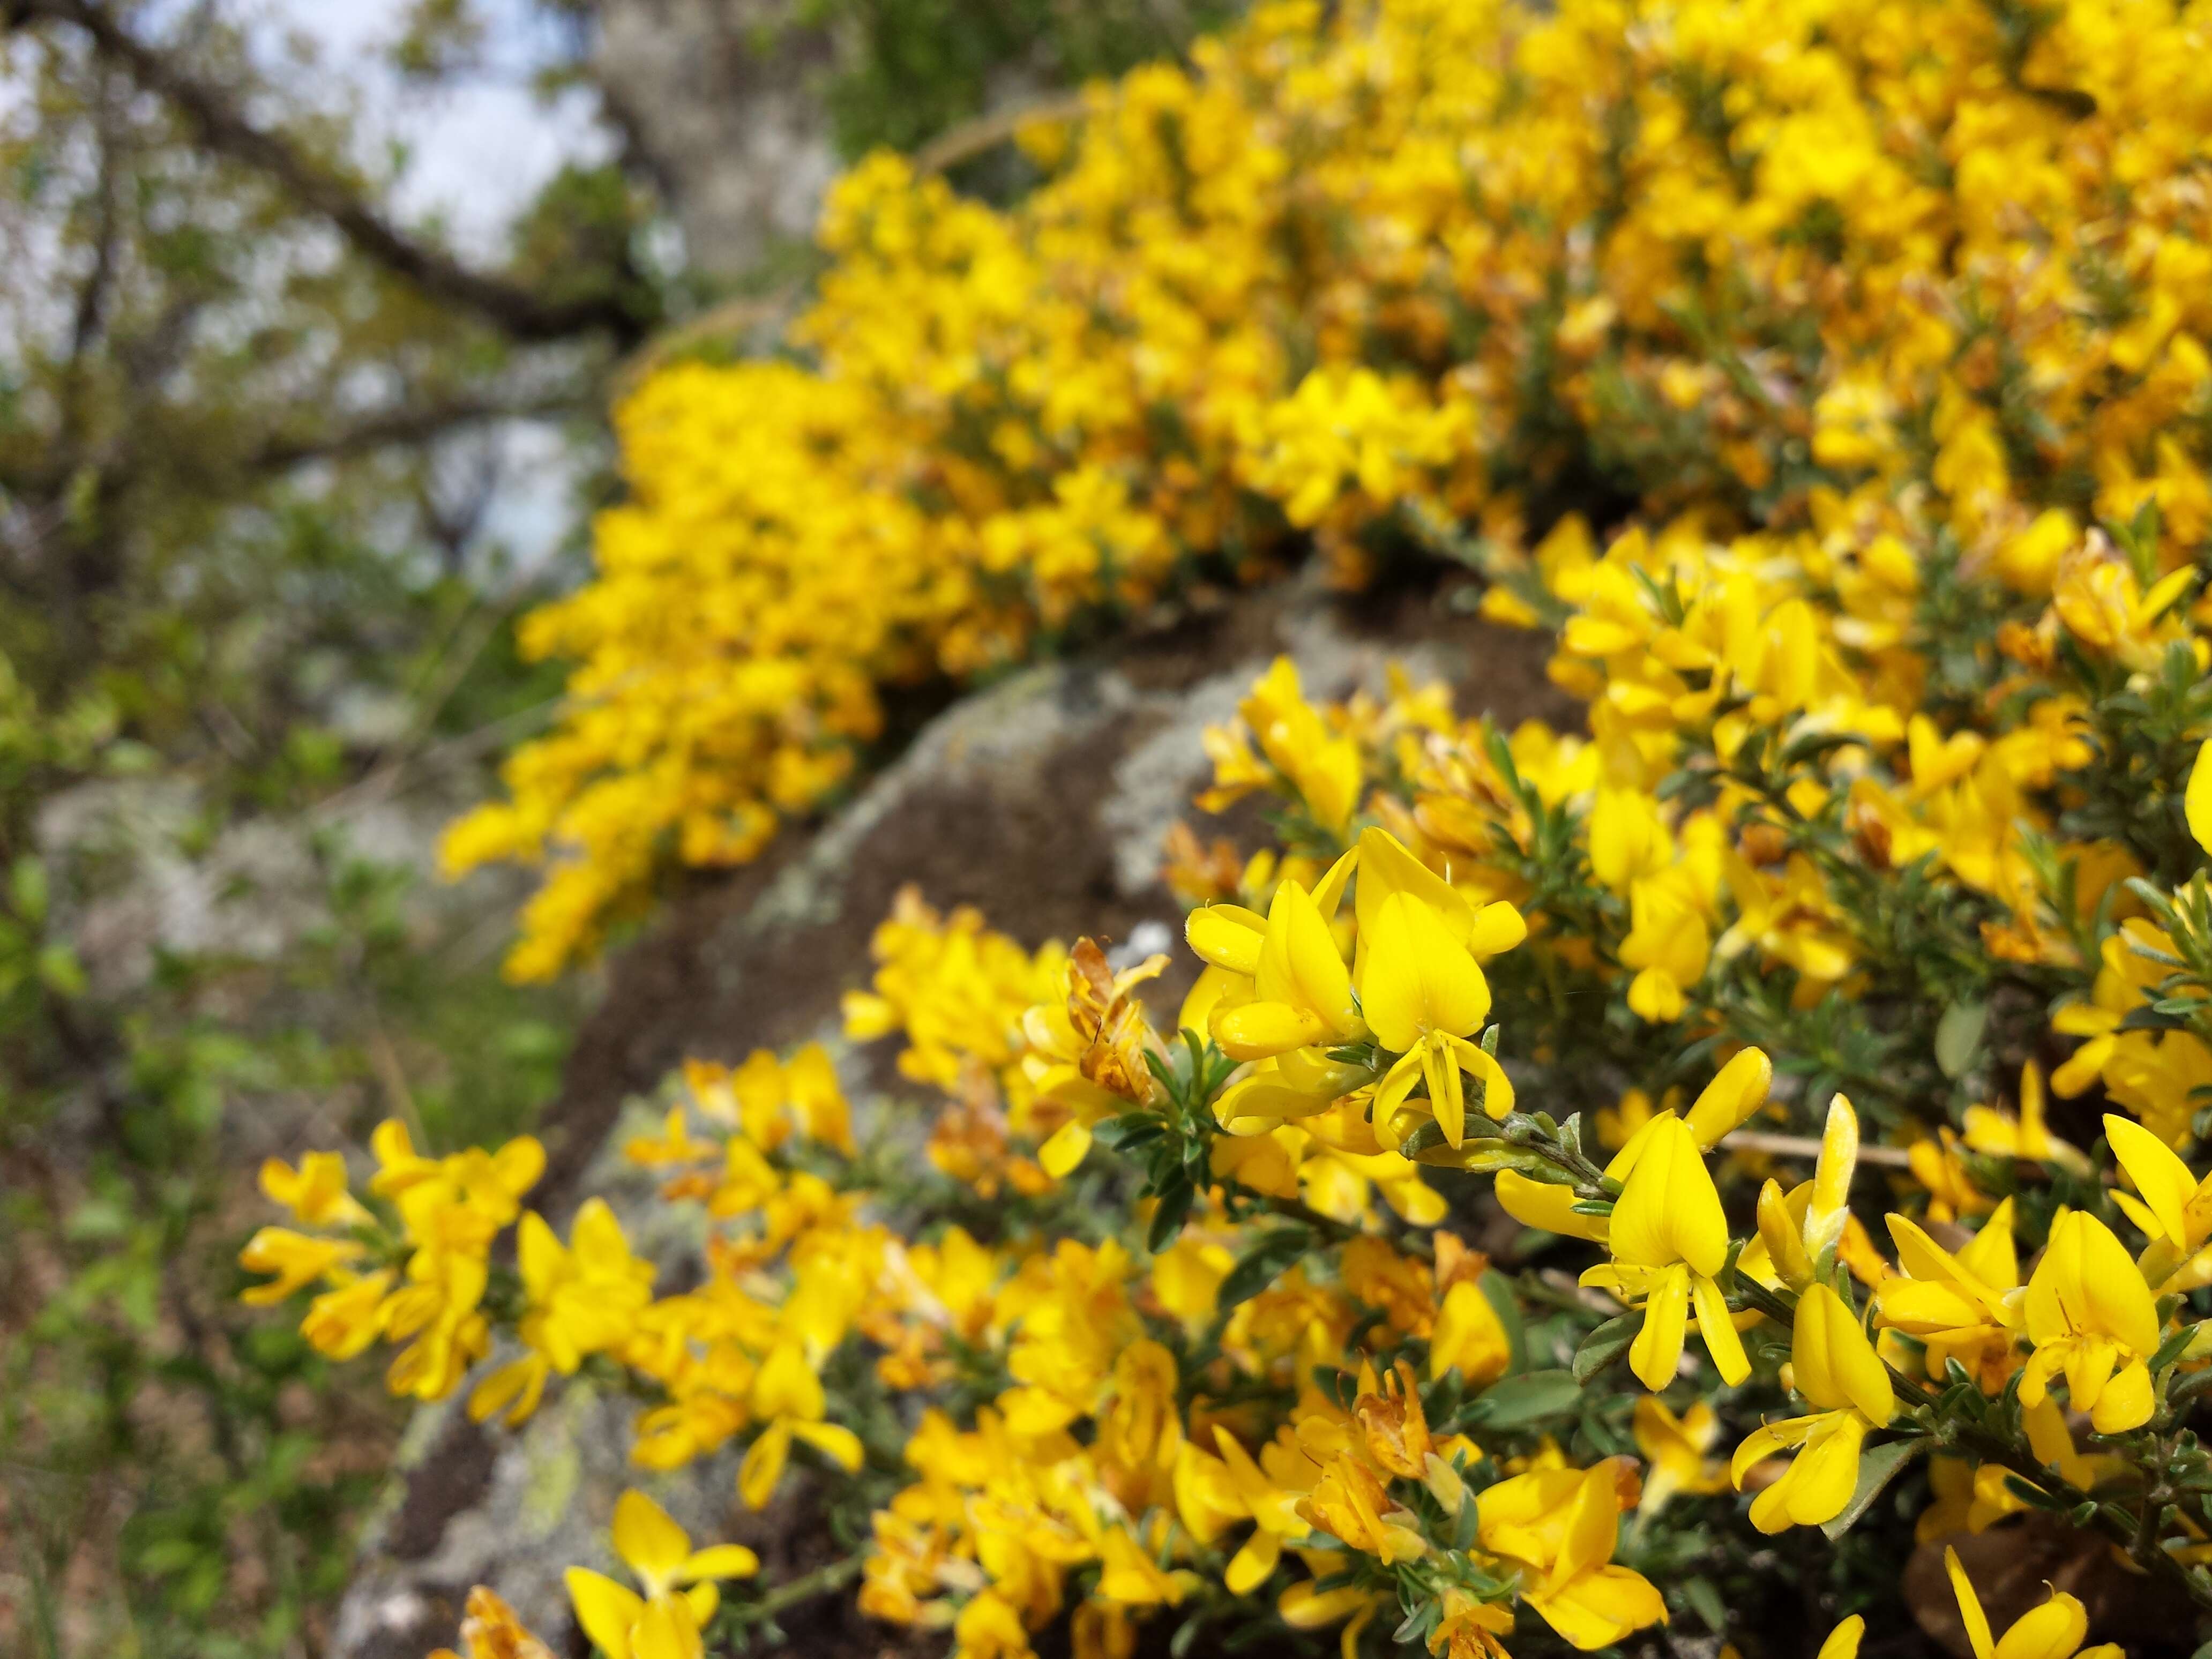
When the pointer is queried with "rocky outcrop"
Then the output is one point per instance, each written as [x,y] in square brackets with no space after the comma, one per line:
[1044,800]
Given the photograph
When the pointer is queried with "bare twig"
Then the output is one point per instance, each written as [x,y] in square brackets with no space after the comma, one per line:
[971,138]
[398,426]
[1804,1147]
[225,128]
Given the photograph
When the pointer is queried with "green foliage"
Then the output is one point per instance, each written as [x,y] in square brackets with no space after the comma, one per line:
[911,68]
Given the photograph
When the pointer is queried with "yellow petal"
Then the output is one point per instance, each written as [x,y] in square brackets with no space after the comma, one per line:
[2120,1304]
[702,1600]
[1228,936]
[721,1561]
[2052,1630]
[667,1629]
[1300,964]
[1656,1353]
[1836,1366]
[1785,1245]
[840,1444]
[1497,927]
[786,1385]
[1330,893]
[2199,801]
[606,1610]
[2160,1175]
[1547,1206]
[1728,1101]
[1843,1642]
[1669,1210]
[1417,978]
[1388,870]
[1602,1607]
[1827,1473]
[648,1538]
[1065,1149]
[1261,1030]
[1970,1607]
[1250,1567]
[1718,1330]
[2126,1402]
[764,1465]
[1830,1205]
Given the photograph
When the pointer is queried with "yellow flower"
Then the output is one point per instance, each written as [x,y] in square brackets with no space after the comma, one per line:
[1674,1449]
[1128,1574]
[1469,1629]
[315,1192]
[1423,995]
[296,1259]
[584,1299]
[344,1320]
[2090,1315]
[1561,1526]
[2053,1630]
[1301,990]
[1211,1493]
[1800,1235]
[1962,1306]
[1350,1503]
[2028,1136]
[1669,1238]
[490,1630]
[1834,1367]
[2175,1208]
[679,1583]
[1469,1336]
[787,1396]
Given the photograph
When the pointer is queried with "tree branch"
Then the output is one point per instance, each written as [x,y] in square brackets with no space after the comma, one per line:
[507,305]
[406,426]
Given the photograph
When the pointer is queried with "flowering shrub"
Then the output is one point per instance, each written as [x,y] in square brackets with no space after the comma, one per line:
[1829,1017]
[1351,284]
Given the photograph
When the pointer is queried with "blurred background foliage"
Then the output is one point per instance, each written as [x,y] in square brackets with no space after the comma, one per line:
[280,462]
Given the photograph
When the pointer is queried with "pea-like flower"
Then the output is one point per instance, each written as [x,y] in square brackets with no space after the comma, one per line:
[678,1584]
[2090,1316]
[2053,1630]
[1559,1526]
[1834,1367]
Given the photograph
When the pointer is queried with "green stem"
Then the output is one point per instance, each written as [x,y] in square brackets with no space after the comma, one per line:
[804,1587]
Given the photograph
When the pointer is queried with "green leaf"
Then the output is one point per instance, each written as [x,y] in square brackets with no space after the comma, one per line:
[1605,1344]
[2170,1349]
[1877,1468]
[1958,1035]
[60,971]
[1261,1265]
[1176,1200]
[1516,1402]
[1705,1598]
[26,883]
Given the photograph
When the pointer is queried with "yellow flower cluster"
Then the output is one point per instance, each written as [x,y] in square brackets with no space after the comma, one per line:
[1238,1387]
[1394,263]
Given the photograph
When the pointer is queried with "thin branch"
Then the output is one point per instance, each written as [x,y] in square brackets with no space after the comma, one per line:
[400,426]
[226,130]
[1804,1147]
[972,138]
